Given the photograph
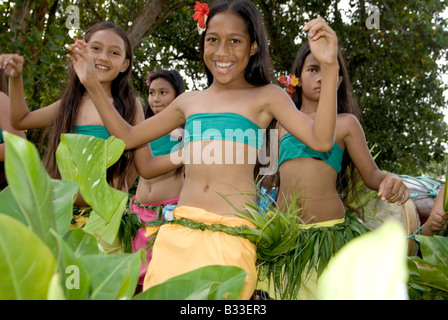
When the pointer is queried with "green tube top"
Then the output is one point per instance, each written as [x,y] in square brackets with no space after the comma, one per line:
[291,148]
[165,145]
[223,126]
[96,131]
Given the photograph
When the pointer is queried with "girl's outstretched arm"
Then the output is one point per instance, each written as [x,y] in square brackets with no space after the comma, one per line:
[5,124]
[133,136]
[320,133]
[389,186]
[20,116]
[148,165]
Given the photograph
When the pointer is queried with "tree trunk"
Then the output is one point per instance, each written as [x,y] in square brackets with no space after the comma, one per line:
[151,17]
[145,20]
[20,13]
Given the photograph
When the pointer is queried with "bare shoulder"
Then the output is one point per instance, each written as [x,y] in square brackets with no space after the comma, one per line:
[273,89]
[348,126]
[186,98]
[348,120]
[187,101]
[272,96]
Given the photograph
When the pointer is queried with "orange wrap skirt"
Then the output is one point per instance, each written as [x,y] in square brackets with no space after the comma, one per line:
[179,249]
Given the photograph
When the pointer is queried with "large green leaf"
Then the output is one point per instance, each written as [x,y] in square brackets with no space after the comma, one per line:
[9,206]
[370,267]
[429,275]
[81,242]
[434,249]
[106,231]
[26,263]
[31,186]
[55,289]
[113,277]
[206,283]
[75,278]
[114,147]
[64,194]
[84,159]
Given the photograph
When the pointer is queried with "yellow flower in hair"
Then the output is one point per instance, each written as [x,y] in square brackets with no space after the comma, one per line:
[294,81]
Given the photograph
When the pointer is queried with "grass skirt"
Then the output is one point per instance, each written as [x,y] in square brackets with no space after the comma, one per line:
[296,277]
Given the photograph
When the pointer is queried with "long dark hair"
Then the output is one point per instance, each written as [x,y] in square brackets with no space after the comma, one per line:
[259,69]
[3,182]
[124,102]
[348,177]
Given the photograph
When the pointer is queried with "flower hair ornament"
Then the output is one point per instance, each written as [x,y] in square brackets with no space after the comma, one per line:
[291,82]
[201,12]
[149,77]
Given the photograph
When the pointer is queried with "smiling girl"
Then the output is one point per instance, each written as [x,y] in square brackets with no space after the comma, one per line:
[75,111]
[235,52]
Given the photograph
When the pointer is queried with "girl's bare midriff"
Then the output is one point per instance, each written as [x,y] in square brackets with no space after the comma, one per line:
[314,185]
[159,189]
[212,186]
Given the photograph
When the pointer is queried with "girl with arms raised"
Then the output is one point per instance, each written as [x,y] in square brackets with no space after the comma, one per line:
[235,52]
[314,176]
[75,112]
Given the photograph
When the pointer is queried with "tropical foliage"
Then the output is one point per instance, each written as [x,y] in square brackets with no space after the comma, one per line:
[395,69]
[428,276]
[42,257]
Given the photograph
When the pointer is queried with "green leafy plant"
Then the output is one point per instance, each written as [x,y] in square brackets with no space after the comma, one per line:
[42,258]
[36,238]
[372,266]
[207,283]
[84,160]
[429,274]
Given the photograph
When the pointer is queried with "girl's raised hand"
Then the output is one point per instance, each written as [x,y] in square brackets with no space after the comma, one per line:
[82,61]
[323,41]
[393,189]
[12,64]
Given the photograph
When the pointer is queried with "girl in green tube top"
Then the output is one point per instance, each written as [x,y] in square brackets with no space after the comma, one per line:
[152,195]
[235,51]
[313,176]
[75,111]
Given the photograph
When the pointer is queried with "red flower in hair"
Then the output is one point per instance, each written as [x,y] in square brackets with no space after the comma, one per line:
[291,82]
[201,12]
